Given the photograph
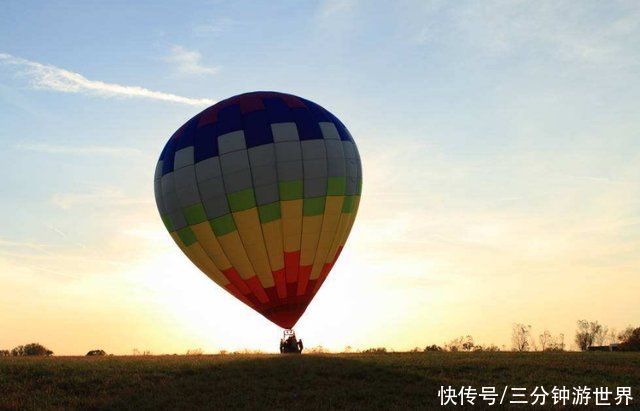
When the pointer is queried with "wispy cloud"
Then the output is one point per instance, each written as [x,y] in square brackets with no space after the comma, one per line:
[48,77]
[79,150]
[213,27]
[189,62]
[331,7]
[108,196]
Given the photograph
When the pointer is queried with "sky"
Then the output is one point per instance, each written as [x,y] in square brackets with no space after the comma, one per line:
[500,149]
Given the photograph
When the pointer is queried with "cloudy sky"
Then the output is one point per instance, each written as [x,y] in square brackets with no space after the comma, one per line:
[500,147]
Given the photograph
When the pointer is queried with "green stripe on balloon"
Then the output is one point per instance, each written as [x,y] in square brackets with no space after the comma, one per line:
[194,214]
[242,200]
[222,225]
[167,222]
[269,212]
[313,206]
[336,186]
[187,236]
[290,190]
[347,204]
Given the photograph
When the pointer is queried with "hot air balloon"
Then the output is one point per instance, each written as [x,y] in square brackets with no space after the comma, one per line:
[260,192]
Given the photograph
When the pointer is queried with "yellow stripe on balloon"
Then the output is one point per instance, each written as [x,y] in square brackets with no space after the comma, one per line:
[330,220]
[210,243]
[199,257]
[344,227]
[311,227]
[291,217]
[250,229]
[235,252]
[272,232]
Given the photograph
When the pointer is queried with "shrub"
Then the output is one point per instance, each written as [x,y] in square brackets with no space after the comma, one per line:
[377,350]
[94,353]
[630,339]
[32,349]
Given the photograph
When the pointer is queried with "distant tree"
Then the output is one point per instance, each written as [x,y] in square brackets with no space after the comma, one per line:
[546,340]
[17,351]
[467,343]
[433,348]
[348,349]
[195,351]
[319,349]
[415,349]
[5,353]
[463,343]
[491,348]
[376,350]
[630,339]
[223,352]
[521,337]
[96,353]
[137,352]
[590,333]
[600,334]
[32,349]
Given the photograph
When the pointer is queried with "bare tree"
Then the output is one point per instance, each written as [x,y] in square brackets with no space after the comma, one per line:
[467,343]
[463,343]
[584,338]
[546,340]
[600,333]
[521,337]
[590,333]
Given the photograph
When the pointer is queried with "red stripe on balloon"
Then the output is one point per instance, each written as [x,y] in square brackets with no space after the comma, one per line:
[236,293]
[272,294]
[303,278]
[291,264]
[208,116]
[292,101]
[257,290]
[249,103]
[326,268]
[281,284]
[233,276]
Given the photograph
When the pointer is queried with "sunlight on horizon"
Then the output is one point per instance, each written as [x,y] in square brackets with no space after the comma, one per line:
[500,169]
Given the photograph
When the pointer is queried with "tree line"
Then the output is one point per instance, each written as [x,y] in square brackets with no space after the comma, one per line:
[588,335]
[32,349]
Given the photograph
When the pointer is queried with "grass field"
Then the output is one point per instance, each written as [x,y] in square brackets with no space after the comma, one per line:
[354,381]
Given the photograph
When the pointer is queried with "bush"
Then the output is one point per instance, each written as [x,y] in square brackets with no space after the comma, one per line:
[195,351]
[96,353]
[433,347]
[630,339]
[5,353]
[33,349]
[377,350]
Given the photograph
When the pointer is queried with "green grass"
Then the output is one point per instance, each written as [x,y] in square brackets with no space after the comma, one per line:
[353,381]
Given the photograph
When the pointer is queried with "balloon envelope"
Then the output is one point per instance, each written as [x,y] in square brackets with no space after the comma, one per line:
[260,191]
